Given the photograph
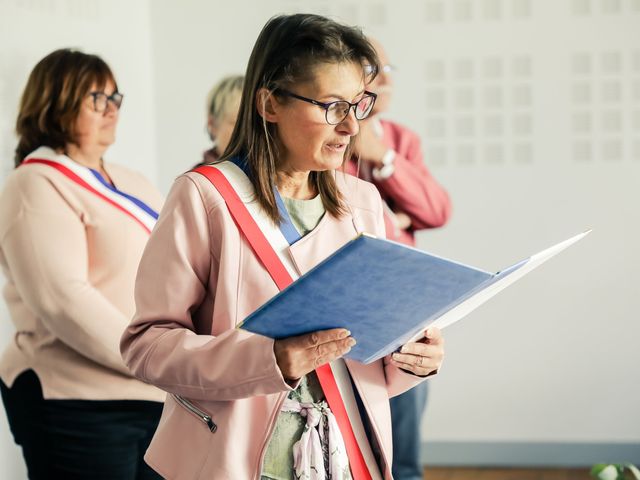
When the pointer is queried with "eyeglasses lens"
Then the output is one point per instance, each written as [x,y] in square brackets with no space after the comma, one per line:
[100,100]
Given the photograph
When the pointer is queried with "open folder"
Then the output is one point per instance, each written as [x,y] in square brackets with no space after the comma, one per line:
[385,293]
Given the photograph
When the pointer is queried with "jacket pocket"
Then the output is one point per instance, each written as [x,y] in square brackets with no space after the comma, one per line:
[193,409]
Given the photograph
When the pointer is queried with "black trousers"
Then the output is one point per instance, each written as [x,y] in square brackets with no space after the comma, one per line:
[80,439]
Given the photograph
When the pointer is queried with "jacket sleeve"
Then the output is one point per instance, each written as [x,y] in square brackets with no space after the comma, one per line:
[399,380]
[178,268]
[45,247]
[412,188]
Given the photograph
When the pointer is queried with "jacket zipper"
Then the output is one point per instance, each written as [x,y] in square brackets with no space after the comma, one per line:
[206,418]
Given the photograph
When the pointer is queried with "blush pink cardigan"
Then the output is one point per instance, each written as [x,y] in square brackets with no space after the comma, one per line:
[70,262]
[197,280]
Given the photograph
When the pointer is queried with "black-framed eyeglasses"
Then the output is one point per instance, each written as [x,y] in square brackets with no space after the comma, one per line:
[101,99]
[336,112]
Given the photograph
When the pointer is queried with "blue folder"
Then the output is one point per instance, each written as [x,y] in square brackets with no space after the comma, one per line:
[384,292]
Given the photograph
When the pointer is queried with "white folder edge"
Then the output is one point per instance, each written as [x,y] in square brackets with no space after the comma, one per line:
[519,270]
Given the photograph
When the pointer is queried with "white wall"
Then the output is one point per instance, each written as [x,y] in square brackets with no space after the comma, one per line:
[530,116]
[554,359]
[118,31]
[195,43]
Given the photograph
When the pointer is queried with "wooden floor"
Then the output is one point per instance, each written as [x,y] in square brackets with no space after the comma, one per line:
[505,474]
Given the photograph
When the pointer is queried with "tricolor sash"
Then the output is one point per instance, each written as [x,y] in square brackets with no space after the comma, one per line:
[92,181]
[270,244]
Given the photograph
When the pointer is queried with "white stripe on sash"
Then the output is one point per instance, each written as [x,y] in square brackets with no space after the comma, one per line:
[244,188]
[85,174]
[343,380]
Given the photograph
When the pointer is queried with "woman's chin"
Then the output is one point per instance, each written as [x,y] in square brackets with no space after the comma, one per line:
[333,158]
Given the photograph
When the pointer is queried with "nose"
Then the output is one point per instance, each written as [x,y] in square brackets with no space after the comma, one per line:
[350,125]
[111,109]
[381,79]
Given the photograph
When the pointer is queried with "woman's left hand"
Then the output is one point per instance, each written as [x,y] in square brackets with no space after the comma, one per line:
[422,357]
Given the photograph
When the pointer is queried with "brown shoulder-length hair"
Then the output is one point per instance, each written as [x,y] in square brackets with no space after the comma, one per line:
[285,53]
[53,96]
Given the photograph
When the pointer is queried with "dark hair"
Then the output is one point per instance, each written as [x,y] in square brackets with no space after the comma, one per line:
[286,52]
[53,96]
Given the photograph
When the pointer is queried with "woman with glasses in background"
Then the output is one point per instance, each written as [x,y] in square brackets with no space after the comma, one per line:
[244,406]
[72,231]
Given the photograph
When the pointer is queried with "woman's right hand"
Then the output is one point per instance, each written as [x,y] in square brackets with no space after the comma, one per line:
[297,356]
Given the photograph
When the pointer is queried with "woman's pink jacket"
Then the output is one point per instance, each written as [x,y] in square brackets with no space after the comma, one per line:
[197,280]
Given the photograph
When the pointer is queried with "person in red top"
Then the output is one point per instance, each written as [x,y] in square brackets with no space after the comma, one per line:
[390,156]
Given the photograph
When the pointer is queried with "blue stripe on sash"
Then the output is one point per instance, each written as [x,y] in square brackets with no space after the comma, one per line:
[287,227]
[131,198]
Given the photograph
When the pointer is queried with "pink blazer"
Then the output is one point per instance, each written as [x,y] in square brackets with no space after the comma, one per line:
[197,280]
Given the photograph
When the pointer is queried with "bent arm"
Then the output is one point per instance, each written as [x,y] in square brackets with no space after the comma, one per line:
[413,189]
[179,267]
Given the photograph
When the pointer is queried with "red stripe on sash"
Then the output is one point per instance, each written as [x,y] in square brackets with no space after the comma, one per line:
[269,258]
[248,227]
[69,173]
[357,463]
